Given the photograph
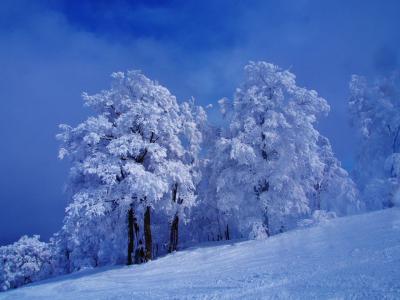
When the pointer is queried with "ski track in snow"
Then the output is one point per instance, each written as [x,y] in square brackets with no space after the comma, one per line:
[347,258]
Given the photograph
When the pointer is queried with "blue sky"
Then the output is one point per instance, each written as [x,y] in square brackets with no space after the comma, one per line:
[51,51]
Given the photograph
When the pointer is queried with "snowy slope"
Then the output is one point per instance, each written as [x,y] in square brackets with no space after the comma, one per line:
[355,257]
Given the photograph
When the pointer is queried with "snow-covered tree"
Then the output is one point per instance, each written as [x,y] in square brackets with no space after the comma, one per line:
[25,261]
[134,163]
[375,113]
[267,168]
[206,222]
[335,192]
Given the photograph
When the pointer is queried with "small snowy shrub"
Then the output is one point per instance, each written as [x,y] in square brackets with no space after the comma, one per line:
[258,232]
[317,218]
[25,261]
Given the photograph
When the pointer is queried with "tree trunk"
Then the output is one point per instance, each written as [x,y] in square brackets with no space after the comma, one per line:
[130,235]
[317,188]
[266,222]
[147,235]
[227,236]
[133,238]
[173,240]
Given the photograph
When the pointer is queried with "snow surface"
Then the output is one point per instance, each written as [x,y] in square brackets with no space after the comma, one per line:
[347,258]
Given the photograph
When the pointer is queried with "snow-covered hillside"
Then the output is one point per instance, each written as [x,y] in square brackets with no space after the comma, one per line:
[354,257]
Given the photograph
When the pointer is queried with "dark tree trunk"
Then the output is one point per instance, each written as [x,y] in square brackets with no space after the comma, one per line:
[133,235]
[266,222]
[147,235]
[130,236]
[174,192]
[227,236]
[317,188]
[173,239]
